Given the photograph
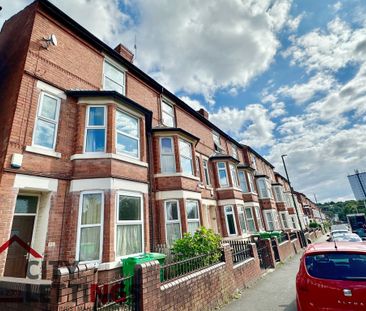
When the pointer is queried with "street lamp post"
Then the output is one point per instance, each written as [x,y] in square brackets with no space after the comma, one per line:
[293,199]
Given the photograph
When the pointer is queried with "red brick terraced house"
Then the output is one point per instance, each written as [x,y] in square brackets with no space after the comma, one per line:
[100,162]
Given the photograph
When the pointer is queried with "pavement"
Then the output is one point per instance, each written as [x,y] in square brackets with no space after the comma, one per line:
[273,292]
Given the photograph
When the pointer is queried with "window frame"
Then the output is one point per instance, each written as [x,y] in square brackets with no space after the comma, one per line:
[267,187]
[119,68]
[80,226]
[259,217]
[170,154]
[244,182]
[278,193]
[38,116]
[217,144]
[250,219]
[183,141]
[179,221]
[129,222]
[227,223]
[284,215]
[234,151]
[138,138]
[193,220]
[234,179]
[164,101]
[206,173]
[87,126]
[266,213]
[226,173]
[241,212]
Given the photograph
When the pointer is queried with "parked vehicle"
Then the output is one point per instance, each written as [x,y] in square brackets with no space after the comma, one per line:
[332,276]
[338,230]
[346,237]
[357,222]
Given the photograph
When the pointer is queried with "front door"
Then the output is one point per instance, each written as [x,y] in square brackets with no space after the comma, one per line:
[23,224]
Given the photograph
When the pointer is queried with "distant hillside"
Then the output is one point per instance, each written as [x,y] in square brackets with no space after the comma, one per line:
[342,208]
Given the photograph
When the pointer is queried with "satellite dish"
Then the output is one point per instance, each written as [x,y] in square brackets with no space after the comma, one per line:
[53,40]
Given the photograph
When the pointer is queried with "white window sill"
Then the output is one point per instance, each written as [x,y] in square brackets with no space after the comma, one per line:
[110,265]
[102,155]
[228,188]
[43,151]
[177,175]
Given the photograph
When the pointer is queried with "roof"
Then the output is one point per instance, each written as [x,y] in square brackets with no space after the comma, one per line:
[258,155]
[359,247]
[221,156]
[175,129]
[66,20]
[245,166]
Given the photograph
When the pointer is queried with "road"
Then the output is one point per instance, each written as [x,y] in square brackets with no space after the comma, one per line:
[274,292]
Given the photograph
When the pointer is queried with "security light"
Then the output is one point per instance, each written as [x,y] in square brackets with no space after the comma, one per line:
[51,40]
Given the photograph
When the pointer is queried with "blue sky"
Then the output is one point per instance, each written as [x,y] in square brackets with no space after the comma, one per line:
[282,76]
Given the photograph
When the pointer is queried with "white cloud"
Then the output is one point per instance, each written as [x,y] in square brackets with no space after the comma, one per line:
[293,23]
[278,109]
[193,103]
[301,93]
[251,125]
[201,47]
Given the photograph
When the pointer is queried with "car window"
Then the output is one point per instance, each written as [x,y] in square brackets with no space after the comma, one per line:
[347,238]
[337,266]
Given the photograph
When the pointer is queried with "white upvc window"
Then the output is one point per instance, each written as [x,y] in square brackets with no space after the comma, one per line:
[90,227]
[234,175]
[222,174]
[185,152]
[278,192]
[172,221]
[264,188]
[127,134]
[198,167]
[217,142]
[167,114]
[129,224]
[230,220]
[114,78]
[289,200]
[206,172]
[95,129]
[250,219]
[242,221]
[253,162]
[193,216]
[259,218]
[251,182]
[243,182]
[46,125]
[234,150]
[295,223]
[269,220]
[284,220]
[167,156]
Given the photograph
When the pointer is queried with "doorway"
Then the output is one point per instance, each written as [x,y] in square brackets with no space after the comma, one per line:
[23,226]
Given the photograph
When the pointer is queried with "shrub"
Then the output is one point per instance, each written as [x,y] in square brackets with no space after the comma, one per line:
[203,242]
[314,224]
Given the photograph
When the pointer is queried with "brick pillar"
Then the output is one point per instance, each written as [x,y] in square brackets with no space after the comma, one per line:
[272,261]
[149,285]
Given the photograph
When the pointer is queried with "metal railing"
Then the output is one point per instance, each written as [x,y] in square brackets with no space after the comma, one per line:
[241,250]
[116,295]
[283,237]
[293,236]
[181,268]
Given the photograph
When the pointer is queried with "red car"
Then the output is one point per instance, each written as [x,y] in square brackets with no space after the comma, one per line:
[332,277]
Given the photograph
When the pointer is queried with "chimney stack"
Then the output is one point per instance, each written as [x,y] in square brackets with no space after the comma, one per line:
[203,112]
[124,52]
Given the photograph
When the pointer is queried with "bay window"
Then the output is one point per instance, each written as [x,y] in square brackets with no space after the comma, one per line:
[114,78]
[251,187]
[234,175]
[243,182]
[270,220]
[172,221]
[95,131]
[129,225]
[206,173]
[230,220]
[250,219]
[222,174]
[185,151]
[241,216]
[127,134]
[193,219]
[167,157]
[45,132]
[90,227]
[167,114]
